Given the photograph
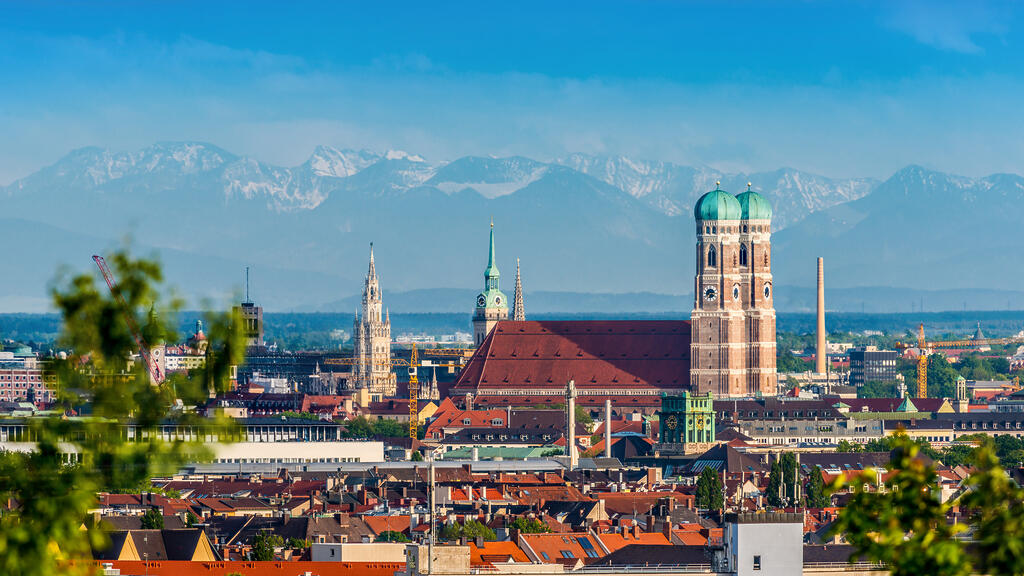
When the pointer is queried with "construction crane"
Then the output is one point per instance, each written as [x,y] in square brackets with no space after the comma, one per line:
[356,361]
[449,352]
[924,348]
[414,393]
[154,370]
[413,364]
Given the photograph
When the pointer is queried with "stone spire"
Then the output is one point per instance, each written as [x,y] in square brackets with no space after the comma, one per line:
[491,304]
[491,274]
[518,310]
[372,273]
[372,341]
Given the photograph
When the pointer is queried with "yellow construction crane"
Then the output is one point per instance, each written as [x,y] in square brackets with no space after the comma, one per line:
[414,386]
[414,393]
[924,349]
[449,352]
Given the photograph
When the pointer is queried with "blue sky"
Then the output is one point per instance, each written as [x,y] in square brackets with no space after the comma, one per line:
[839,88]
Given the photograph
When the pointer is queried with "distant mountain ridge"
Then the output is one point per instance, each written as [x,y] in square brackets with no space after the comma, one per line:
[581,224]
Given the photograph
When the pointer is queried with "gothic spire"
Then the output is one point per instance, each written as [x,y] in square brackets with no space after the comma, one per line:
[518,310]
[372,273]
[492,266]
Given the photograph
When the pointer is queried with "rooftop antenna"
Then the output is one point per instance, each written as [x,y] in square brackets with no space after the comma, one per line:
[247,300]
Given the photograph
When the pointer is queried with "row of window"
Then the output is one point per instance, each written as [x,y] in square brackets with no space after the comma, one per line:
[708,229]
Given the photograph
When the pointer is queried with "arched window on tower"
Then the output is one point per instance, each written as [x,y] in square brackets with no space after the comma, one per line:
[743,254]
[712,257]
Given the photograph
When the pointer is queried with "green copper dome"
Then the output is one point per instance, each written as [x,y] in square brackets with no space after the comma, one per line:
[754,207]
[717,205]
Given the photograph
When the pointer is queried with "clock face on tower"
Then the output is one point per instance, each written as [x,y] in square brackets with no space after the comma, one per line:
[710,294]
[481,301]
[497,300]
[671,422]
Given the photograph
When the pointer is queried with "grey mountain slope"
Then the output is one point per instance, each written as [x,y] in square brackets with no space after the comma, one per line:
[920,229]
[674,189]
[598,226]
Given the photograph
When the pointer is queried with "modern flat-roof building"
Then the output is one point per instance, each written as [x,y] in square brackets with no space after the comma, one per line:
[868,363]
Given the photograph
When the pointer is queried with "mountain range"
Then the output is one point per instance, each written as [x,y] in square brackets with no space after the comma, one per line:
[614,227]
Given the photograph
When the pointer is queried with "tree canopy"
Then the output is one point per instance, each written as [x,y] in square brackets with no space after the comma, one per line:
[710,495]
[101,382]
[907,526]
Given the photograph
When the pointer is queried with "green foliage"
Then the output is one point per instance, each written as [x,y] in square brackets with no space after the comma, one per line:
[998,519]
[975,367]
[816,491]
[905,526]
[529,526]
[153,519]
[710,495]
[583,417]
[888,443]
[1009,450]
[98,379]
[941,376]
[362,427]
[302,415]
[469,530]
[297,543]
[416,456]
[359,427]
[552,452]
[847,446]
[782,480]
[391,536]
[263,544]
[956,455]
[388,428]
[191,519]
[786,362]
[877,389]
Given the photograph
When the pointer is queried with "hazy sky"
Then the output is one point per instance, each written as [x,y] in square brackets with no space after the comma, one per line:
[840,88]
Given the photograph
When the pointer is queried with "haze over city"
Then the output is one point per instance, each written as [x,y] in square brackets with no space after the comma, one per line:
[525,288]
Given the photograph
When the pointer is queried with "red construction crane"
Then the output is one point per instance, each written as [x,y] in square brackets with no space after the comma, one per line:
[154,370]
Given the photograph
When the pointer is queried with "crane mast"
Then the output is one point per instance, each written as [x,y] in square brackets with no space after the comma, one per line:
[414,385]
[922,364]
[108,276]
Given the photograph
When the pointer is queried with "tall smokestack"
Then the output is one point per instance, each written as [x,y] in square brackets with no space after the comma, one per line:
[607,427]
[821,355]
[570,436]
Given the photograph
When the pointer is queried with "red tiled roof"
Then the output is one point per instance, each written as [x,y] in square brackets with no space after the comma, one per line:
[186,568]
[379,524]
[605,354]
[615,541]
[494,553]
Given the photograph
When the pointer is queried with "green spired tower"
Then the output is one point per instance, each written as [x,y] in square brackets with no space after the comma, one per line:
[687,422]
[491,304]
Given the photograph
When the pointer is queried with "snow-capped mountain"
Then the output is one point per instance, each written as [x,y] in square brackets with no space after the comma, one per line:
[582,223]
[674,189]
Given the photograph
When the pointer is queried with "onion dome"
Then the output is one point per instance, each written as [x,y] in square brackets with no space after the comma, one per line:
[717,205]
[754,206]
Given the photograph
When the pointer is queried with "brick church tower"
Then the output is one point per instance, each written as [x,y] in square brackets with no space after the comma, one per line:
[733,320]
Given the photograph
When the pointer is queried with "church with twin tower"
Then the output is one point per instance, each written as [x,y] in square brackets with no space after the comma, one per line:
[732,326]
